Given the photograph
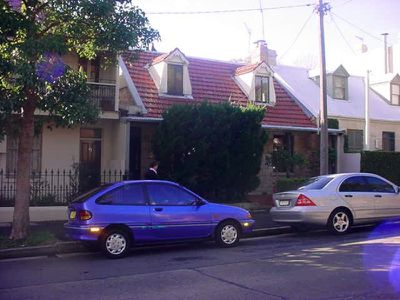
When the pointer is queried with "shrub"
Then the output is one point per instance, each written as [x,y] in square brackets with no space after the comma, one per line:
[215,150]
[385,164]
[288,184]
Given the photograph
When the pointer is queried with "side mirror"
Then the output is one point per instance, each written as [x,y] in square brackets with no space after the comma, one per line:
[199,202]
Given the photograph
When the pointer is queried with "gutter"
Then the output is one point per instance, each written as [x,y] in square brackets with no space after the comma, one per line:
[277,127]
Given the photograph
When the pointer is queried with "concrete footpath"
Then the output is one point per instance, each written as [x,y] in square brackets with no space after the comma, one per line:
[263,226]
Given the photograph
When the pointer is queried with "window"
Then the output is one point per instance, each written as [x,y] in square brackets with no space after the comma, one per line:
[388,143]
[175,79]
[12,152]
[315,183]
[163,194]
[128,194]
[395,93]
[262,89]
[378,185]
[354,184]
[339,87]
[355,139]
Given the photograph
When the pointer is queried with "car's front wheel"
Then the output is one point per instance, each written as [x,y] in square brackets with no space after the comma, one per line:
[339,221]
[115,243]
[227,234]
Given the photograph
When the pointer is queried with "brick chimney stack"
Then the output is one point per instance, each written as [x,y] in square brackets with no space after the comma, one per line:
[262,53]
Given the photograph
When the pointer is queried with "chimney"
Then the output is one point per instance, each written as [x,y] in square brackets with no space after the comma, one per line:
[262,53]
[363,47]
[385,49]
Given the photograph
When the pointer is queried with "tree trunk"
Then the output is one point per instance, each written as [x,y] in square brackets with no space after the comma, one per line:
[20,226]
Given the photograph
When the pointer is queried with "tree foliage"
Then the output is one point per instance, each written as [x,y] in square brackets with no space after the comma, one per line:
[33,36]
[215,150]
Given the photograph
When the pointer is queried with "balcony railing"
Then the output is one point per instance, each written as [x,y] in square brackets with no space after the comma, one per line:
[103,94]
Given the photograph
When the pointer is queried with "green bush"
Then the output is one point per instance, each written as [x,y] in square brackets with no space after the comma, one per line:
[215,150]
[385,164]
[288,184]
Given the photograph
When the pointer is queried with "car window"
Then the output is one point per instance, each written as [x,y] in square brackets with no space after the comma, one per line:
[165,194]
[354,184]
[315,183]
[128,194]
[86,195]
[378,185]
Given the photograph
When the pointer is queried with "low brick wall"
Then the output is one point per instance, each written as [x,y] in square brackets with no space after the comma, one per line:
[37,213]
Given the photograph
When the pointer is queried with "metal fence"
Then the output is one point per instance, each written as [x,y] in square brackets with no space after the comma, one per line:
[52,187]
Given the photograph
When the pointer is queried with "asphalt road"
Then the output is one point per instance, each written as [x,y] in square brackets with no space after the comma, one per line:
[316,265]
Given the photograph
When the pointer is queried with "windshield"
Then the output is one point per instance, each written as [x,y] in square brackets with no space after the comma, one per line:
[86,195]
[315,183]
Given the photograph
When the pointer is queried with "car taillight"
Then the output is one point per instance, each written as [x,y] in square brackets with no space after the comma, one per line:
[85,215]
[303,200]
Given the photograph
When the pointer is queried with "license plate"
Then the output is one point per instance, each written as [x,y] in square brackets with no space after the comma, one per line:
[72,214]
[284,202]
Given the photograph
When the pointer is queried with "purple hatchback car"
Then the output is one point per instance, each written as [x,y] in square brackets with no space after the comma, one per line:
[116,216]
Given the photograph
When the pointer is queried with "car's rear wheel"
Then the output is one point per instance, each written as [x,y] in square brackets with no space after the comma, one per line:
[339,221]
[115,243]
[227,234]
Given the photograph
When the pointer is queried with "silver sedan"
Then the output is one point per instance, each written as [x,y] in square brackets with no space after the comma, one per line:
[338,201]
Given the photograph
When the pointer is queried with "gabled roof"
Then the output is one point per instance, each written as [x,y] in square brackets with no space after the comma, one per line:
[211,81]
[296,80]
[165,56]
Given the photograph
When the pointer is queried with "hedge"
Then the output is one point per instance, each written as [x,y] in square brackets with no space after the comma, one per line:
[385,164]
[288,184]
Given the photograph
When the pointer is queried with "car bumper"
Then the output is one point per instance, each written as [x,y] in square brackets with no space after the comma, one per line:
[247,226]
[295,215]
[82,233]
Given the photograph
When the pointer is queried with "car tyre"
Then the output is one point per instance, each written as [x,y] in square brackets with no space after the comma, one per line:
[340,221]
[115,243]
[227,234]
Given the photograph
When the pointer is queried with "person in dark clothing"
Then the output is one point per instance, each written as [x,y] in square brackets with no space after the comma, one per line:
[151,173]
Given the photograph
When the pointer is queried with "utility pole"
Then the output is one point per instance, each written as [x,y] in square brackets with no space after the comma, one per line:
[322,9]
[366,137]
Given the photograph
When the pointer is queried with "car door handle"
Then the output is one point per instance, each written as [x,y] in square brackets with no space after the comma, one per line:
[158,209]
[348,196]
[378,196]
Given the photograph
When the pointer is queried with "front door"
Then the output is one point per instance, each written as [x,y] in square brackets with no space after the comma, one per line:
[387,201]
[175,215]
[90,159]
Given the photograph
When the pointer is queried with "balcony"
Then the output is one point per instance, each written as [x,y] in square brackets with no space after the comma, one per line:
[103,94]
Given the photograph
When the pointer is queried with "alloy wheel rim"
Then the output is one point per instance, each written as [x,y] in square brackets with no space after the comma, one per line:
[115,243]
[229,234]
[341,222]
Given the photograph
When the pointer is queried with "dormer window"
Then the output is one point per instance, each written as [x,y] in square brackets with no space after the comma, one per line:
[395,93]
[175,80]
[339,87]
[262,89]
[170,73]
[256,82]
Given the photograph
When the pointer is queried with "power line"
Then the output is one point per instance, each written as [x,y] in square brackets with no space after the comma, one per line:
[341,33]
[226,11]
[298,35]
[355,26]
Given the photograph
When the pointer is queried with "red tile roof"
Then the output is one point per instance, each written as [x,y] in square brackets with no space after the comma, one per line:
[211,81]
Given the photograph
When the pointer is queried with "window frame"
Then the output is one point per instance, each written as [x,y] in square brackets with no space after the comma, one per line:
[36,152]
[390,141]
[335,86]
[263,85]
[392,94]
[175,88]
[353,132]
[147,191]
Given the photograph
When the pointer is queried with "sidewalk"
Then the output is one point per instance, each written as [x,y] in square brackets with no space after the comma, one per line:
[264,226]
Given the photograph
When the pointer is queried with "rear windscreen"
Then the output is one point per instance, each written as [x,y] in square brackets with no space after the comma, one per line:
[315,183]
[86,195]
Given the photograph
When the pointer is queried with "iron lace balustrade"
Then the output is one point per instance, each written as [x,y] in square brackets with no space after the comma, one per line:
[103,94]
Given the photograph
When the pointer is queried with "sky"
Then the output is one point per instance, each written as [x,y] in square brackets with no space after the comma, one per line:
[230,35]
